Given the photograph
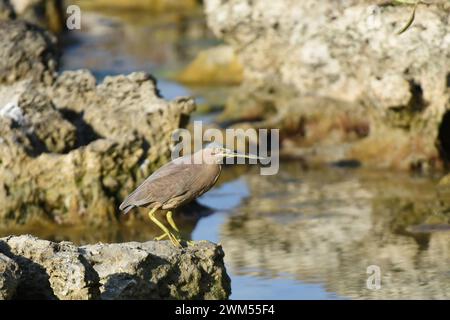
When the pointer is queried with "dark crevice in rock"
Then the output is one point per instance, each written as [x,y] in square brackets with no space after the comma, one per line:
[444,138]
[347,164]
[34,282]
[145,149]
[417,103]
[85,132]
[38,146]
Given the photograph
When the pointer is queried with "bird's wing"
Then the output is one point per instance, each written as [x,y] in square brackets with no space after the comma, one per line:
[167,182]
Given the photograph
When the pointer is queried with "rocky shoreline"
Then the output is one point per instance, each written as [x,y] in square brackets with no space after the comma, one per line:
[32,268]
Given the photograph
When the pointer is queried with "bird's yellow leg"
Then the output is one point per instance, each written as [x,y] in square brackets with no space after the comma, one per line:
[171,222]
[161,237]
[174,226]
[166,231]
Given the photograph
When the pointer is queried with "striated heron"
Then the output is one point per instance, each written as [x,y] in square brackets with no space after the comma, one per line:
[177,183]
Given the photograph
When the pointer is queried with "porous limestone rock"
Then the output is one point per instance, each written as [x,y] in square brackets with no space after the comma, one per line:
[9,277]
[72,149]
[50,270]
[344,53]
[97,144]
[24,110]
[133,270]
[27,52]
[158,270]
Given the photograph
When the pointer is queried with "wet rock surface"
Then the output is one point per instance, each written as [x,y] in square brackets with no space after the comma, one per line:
[149,270]
[346,53]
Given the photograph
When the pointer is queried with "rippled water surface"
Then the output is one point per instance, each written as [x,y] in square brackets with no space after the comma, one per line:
[300,234]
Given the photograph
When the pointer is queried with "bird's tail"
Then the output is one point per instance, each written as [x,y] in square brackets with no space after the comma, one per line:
[125,207]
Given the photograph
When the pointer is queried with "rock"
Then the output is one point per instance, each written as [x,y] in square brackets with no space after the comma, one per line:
[6,10]
[346,53]
[75,188]
[34,114]
[50,270]
[216,66]
[47,14]
[94,177]
[28,52]
[9,277]
[157,270]
[72,149]
[122,104]
[445,180]
[149,270]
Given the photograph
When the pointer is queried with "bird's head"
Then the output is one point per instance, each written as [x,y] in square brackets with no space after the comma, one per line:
[217,152]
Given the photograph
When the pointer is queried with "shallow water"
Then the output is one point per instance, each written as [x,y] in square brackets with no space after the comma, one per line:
[300,234]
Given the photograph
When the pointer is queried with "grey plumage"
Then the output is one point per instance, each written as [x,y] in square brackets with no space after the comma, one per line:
[173,185]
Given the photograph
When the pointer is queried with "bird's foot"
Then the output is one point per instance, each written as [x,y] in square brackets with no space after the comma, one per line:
[177,238]
[176,241]
[160,237]
[190,242]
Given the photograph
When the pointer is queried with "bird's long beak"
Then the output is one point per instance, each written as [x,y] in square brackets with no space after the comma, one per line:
[241,155]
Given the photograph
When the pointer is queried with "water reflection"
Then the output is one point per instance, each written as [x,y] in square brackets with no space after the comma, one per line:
[121,41]
[327,226]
